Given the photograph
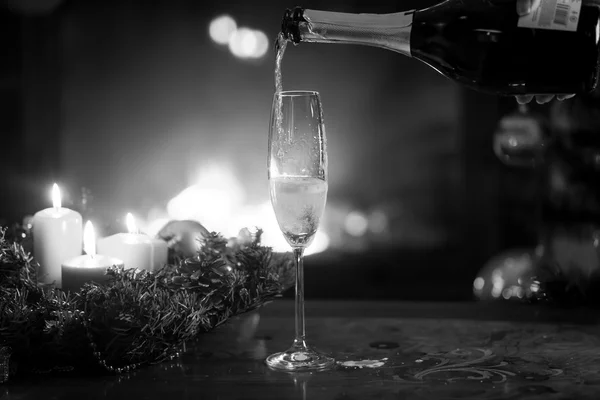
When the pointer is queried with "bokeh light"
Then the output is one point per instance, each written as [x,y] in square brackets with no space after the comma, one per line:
[356,223]
[262,44]
[248,43]
[217,199]
[221,28]
[242,43]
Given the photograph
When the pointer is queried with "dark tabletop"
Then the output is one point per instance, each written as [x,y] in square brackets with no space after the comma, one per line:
[384,351]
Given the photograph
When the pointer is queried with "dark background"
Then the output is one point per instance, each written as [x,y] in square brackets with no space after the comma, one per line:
[123,102]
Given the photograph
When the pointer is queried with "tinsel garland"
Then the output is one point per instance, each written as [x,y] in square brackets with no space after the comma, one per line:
[137,317]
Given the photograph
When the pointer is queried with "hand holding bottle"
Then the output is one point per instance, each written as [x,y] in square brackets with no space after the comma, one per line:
[525,7]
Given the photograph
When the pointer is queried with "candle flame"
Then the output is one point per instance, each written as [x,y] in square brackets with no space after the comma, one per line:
[130,221]
[89,239]
[56,198]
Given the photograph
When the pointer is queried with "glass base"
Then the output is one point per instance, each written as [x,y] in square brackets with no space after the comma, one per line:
[300,359]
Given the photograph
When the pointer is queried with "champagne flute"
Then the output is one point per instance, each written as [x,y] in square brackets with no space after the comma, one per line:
[297,170]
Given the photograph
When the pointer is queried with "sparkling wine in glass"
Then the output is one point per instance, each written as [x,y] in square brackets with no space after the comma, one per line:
[297,170]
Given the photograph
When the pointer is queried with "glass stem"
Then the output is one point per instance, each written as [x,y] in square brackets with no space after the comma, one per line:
[299,258]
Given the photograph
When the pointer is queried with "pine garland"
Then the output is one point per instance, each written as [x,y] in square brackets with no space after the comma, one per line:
[137,317]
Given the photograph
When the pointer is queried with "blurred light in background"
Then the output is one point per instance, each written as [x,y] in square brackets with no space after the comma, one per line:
[356,223]
[378,222]
[244,43]
[217,200]
[321,243]
[248,43]
[508,275]
[221,28]
[211,198]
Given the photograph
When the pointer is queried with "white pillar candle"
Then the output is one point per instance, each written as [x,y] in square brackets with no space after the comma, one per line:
[137,250]
[90,267]
[57,236]
[160,253]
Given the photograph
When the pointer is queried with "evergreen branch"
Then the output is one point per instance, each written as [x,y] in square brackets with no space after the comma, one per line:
[137,317]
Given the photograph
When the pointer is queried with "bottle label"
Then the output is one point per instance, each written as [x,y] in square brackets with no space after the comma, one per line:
[562,15]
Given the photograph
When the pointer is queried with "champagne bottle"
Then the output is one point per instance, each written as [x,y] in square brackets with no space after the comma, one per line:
[481,44]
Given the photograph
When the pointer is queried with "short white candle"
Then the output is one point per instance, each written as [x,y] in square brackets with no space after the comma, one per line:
[137,250]
[57,234]
[90,267]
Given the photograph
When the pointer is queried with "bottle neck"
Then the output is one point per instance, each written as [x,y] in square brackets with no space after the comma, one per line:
[388,31]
